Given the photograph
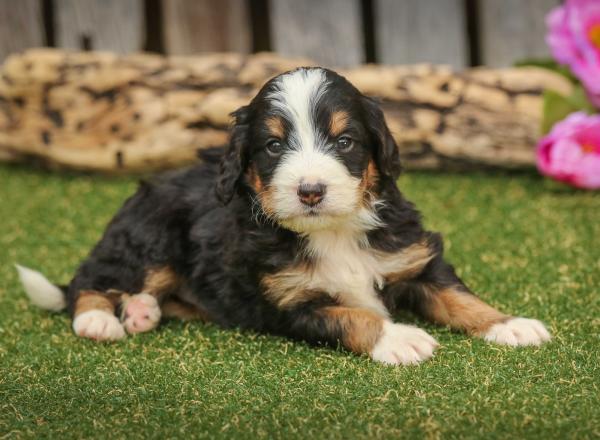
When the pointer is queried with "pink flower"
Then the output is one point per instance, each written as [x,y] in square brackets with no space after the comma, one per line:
[574,38]
[571,151]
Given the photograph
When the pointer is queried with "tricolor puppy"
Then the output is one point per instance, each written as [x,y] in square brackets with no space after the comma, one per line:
[301,231]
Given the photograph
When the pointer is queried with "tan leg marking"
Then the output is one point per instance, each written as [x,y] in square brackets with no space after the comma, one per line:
[141,312]
[360,329]
[173,308]
[463,311]
[363,331]
[94,316]
[161,281]
[94,300]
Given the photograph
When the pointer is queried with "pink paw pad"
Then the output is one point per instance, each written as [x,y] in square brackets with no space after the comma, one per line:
[141,313]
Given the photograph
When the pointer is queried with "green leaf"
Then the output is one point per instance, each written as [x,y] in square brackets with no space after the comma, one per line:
[579,100]
[556,108]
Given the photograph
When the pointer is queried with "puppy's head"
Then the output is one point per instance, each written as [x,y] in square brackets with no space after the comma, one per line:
[312,149]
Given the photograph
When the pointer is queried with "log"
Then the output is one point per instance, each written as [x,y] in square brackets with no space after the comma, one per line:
[103,112]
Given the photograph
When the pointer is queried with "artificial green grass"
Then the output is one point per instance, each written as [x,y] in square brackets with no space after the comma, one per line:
[527,246]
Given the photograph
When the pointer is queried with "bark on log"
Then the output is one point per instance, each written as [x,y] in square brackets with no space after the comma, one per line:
[103,112]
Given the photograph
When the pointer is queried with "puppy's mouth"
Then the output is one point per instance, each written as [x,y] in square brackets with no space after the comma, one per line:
[313,211]
[315,217]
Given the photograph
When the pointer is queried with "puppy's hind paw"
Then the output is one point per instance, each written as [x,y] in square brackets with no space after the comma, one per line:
[98,325]
[141,313]
[403,345]
[518,331]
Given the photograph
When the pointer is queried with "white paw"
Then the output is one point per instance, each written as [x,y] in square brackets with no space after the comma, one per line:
[98,325]
[141,313]
[403,344]
[518,331]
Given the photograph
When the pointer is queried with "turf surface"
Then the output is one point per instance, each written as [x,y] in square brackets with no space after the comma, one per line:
[528,246]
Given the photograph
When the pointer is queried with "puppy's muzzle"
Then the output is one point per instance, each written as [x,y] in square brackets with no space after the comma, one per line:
[311,194]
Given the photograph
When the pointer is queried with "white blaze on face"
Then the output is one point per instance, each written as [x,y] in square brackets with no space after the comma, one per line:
[309,161]
[335,228]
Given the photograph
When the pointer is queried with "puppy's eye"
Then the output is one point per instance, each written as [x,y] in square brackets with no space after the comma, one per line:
[345,144]
[274,148]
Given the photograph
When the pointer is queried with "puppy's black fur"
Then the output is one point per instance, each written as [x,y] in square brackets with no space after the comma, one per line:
[180,221]
[202,224]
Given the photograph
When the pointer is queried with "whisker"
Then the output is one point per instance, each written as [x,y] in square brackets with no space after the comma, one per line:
[259,215]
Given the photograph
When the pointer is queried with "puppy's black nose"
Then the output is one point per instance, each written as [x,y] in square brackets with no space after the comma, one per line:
[311,193]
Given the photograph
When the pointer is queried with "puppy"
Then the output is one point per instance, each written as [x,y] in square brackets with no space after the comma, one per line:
[301,231]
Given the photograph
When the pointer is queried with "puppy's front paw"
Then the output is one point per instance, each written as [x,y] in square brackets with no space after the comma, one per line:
[403,344]
[518,331]
[141,313]
[98,325]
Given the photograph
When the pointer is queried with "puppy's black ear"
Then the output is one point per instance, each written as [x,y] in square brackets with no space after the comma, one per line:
[387,157]
[235,159]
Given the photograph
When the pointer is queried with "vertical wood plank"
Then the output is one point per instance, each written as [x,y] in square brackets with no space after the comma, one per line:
[192,26]
[416,31]
[116,25]
[513,29]
[327,31]
[21,26]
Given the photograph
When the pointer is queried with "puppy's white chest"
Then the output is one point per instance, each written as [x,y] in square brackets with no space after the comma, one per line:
[347,270]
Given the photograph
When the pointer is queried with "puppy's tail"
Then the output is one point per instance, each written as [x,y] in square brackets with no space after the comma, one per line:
[40,291]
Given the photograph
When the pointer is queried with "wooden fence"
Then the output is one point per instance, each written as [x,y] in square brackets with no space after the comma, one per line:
[333,32]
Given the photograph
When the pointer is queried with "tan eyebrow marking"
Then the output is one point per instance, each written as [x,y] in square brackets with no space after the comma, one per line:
[275,126]
[338,122]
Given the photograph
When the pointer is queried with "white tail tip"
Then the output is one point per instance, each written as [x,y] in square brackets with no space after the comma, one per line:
[40,291]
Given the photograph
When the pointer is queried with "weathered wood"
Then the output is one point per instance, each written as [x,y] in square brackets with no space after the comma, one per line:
[103,112]
[328,31]
[479,117]
[192,26]
[21,26]
[511,30]
[417,31]
[116,25]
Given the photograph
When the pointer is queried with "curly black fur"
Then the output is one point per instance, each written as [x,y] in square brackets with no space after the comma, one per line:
[201,222]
